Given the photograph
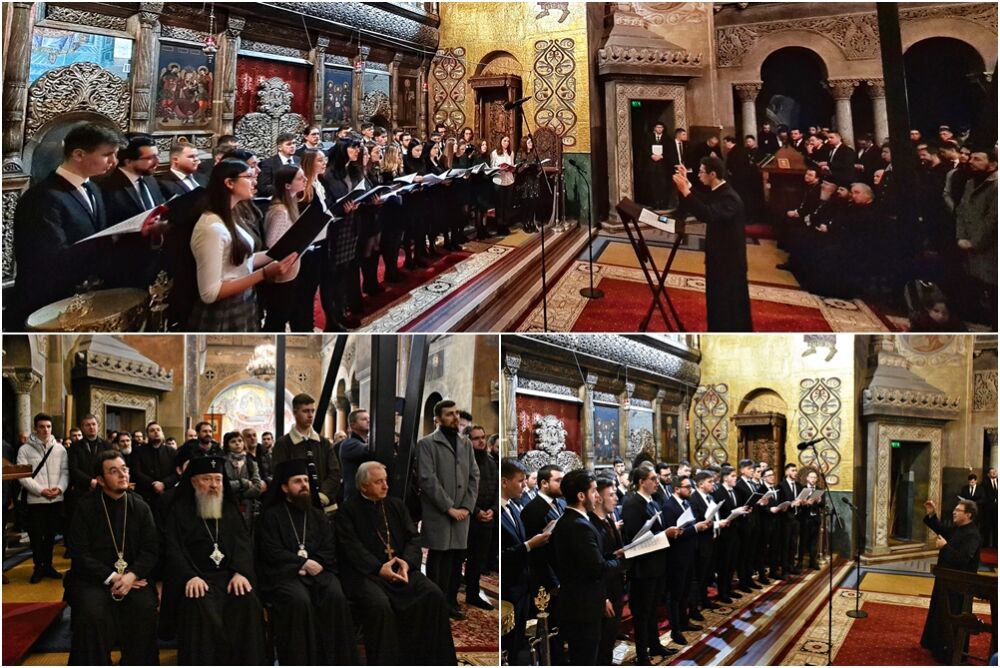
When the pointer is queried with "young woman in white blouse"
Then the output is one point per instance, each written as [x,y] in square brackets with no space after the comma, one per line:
[227,267]
[279,296]
[502,157]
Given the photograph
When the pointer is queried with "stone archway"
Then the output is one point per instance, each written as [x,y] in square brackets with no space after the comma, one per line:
[793,89]
[497,81]
[428,413]
[944,77]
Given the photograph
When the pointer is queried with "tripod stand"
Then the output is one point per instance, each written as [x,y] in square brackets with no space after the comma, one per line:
[859,520]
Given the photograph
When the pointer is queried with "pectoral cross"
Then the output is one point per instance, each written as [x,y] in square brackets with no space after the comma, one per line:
[121,564]
[389,552]
[217,556]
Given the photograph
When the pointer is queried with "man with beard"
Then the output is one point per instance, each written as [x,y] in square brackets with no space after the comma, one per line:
[680,558]
[209,572]
[727,295]
[123,446]
[449,484]
[203,444]
[265,456]
[976,229]
[299,576]
[582,566]
[108,588]
[152,470]
[82,460]
[302,442]
[379,549]
[482,525]
[958,544]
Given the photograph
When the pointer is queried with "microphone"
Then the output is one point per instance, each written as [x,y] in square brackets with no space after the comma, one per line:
[848,503]
[516,103]
[808,444]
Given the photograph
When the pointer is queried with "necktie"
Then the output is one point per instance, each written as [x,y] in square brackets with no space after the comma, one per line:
[685,505]
[680,152]
[732,497]
[91,200]
[144,196]
[191,183]
[973,490]
[833,153]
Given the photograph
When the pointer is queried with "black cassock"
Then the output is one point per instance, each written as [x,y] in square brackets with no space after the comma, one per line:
[97,621]
[219,628]
[311,617]
[726,293]
[404,623]
[961,554]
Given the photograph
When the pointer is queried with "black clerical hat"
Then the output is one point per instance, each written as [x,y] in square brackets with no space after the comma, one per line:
[289,469]
[206,464]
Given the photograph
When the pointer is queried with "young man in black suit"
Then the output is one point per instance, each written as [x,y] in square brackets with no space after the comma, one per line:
[789,490]
[839,163]
[701,499]
[603,517]
[659,173]
[680,557]
[515,547]
[545,508]
[646,572]
[728,546]
[55,213]
[183,176]
[989,509]
[268,168]
[582,566]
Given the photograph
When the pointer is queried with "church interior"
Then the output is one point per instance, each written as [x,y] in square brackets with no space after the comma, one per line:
[586,81]
[888,421]
[235,384]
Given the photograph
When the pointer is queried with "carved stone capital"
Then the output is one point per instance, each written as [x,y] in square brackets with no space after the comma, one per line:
[322,44]
[235,26]
[591,381]
[149,13]
[749,90]
[877,87]
[511,364]
[22,380]
[842,89]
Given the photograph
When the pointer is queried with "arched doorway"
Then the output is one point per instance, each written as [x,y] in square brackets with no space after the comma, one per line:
[428,421]
[944,79]
[761,426]
[794,91]
[496,82]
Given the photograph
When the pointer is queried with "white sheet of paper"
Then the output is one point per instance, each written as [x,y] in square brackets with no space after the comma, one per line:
[803,495]
[742,510]
[549,527]
[657,149]
[658,222]
[784,506]
[409,178]
[358,189]
[712,511]
[131,225]
[686,517]
[817,494]
[652,543]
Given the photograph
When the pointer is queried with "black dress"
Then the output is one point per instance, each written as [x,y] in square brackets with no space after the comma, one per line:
[960,554]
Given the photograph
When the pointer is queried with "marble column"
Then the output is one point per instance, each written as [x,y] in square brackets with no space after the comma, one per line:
[625,402]
[508,442]
[225,71]
[394,90]
[876,90]
[658,442]
[144,66]
[748,92]
[318,58]
[587,440]
[842,90]
[15,85]
[422,98]
[23,381]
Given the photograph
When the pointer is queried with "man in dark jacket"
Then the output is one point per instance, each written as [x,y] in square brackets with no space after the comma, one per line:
[302,442]
[355,449]
[482,524]
[83,456]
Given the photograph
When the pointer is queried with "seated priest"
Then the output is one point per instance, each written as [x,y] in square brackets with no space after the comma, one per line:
[209,573]
[297,555]
[404,615]
[115,548]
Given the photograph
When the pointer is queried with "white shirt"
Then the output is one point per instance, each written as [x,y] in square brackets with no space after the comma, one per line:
[502,178]
[549,500]
[210,244]
[77,182]
[579,511]
[185,179]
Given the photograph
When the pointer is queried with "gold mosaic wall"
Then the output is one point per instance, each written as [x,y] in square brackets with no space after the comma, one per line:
[545,43]
[788,366]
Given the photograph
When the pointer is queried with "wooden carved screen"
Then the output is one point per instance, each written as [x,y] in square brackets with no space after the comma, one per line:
[762,438]
[492,120]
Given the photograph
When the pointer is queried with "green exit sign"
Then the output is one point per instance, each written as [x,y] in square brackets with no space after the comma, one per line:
[636,104]
[896,444]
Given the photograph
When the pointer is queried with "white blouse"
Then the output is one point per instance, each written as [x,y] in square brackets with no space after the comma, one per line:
[276,223]
[210,244]
[502,178]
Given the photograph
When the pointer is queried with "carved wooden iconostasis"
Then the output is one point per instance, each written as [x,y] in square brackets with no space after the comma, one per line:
[193,71]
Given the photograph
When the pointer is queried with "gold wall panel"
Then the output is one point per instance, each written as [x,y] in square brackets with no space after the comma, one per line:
[483,28]
[748,364]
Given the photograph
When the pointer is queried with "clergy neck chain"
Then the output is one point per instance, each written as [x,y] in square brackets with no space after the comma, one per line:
[217,556]
[387,540]
[120,564]
[301,541]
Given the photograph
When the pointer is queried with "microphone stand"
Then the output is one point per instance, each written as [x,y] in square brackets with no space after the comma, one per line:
[591,292]
[857,612]
[829,538]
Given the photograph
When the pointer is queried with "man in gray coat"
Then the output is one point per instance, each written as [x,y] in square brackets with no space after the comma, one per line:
[976,229]
[449,485]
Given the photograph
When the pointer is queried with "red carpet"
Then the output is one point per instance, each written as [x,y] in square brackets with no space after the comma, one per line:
[479,631]
[890,635]
[988,556]
[632,299]
[394,291]
[23,624]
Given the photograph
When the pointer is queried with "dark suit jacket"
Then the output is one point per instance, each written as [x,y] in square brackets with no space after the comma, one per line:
[82,460]
[785,494]
[636,512]
[582,567]
[705,537]
[978,497]
[268,169]
[871,159]
[842,165]
[682,548]
[50,218]
[171,185]
[536,515]
[121,201]
[513,556]
[670,154]
[611,540]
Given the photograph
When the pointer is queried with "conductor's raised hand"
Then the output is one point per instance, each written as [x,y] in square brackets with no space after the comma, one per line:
[930,507]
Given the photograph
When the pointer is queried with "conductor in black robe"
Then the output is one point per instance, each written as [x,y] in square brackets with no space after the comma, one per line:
[958,545]
[404,616]
[727,295]
[115,548]
[297,559]
[209,580]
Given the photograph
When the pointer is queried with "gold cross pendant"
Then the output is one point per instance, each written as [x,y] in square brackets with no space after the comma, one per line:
[121,564]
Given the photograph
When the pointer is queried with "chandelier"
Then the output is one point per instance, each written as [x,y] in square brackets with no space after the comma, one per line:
[262,364]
